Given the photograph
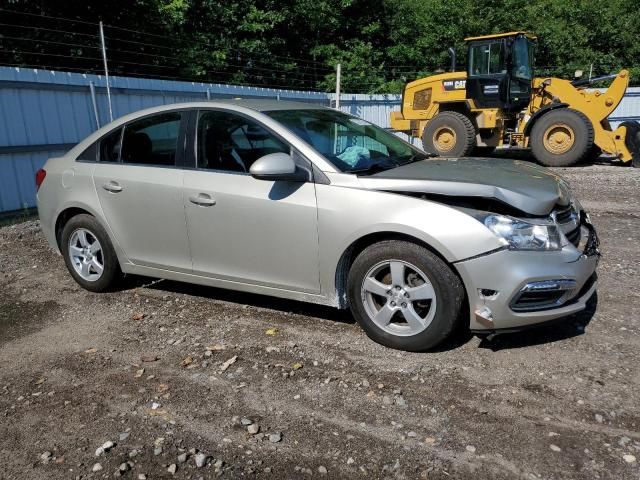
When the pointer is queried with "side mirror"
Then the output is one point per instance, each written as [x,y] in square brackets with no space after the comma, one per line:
[275,166]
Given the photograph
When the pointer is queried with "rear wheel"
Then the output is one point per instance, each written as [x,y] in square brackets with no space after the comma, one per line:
[449,134]
[404,296]
[89,254]
[562,138]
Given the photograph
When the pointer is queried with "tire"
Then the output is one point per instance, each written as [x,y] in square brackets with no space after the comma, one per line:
[421,268]
[561,138]
[444,126]
[633,141]
[90,279]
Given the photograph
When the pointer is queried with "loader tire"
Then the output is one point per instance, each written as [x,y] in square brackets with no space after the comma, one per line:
[449,134]
[632,141]
[562,138]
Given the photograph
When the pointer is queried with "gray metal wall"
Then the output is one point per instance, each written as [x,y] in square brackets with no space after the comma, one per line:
[44,113]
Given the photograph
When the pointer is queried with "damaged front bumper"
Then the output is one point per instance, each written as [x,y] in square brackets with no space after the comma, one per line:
[511,290]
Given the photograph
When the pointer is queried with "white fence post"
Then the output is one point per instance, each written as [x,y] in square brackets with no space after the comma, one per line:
[106,71]
[338,72]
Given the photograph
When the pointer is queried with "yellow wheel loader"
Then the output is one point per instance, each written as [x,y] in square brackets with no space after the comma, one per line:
[497,102]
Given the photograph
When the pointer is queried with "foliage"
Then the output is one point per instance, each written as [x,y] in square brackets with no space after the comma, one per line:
[381,44]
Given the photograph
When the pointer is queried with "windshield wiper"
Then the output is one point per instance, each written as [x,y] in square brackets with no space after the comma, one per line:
[388,165]
[373,168]
[416,157]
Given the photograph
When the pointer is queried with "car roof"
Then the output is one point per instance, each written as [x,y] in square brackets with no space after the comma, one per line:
[267,105]
[257,104]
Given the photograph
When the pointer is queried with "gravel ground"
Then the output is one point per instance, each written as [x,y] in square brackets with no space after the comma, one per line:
[166,380]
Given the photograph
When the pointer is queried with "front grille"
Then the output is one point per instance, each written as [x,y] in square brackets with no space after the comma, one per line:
[532,301]
[542,295]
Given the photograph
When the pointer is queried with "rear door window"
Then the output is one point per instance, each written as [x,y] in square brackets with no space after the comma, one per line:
[152,140]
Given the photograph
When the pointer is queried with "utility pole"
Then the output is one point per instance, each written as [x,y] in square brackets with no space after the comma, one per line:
[338,72]
[106,71]
[590,71]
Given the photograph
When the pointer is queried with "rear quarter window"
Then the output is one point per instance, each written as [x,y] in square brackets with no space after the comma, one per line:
[90,154]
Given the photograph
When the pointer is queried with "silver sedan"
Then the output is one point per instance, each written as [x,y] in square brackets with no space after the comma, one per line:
[308,203]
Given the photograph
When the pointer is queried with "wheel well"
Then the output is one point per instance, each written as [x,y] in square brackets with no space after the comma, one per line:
[459,107]
[64,217]
[540,113]
[353,250]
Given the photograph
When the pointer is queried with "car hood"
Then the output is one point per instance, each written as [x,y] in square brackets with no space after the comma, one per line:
[523,185]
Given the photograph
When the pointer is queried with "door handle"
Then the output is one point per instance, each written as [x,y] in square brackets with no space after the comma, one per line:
[112,187]
[202,199]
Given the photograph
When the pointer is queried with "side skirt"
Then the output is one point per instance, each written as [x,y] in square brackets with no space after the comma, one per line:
[229,285]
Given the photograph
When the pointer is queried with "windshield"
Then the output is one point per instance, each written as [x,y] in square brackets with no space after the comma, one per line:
[349,143]
[522,56]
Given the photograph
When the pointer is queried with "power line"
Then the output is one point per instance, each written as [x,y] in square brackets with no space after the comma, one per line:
[230,49]
[137,32]
[242,71]
[41,15]
[48,29]
[78,57]
[116,50]
[56,68]
[79,45]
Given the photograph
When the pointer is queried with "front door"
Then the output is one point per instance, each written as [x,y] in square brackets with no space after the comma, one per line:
[139,186]
[243,229]
[487,78]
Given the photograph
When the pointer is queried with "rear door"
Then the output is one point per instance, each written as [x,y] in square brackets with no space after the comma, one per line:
[243,229]
[139,183]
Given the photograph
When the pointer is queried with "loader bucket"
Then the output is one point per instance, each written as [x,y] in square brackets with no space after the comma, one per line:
[632,141]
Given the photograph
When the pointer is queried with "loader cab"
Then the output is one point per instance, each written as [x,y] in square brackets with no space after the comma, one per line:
[500,70]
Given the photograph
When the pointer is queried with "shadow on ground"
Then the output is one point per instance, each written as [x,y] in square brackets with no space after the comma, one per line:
[18,319]
[244,298]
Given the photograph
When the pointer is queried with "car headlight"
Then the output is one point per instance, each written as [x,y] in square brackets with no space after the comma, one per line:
[519,234]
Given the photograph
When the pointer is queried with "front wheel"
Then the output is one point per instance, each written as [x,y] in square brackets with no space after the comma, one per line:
[404,296]
[561,138]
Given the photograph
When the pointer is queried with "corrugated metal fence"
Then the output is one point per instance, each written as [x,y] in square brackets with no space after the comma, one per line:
[44,113]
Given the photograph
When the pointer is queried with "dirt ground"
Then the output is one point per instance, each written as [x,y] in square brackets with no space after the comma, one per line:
[149,369]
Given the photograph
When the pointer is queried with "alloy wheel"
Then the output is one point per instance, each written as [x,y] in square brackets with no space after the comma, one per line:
[86,255]
[398,297]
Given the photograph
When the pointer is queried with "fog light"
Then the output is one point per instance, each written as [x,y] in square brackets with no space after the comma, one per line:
[487,293]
